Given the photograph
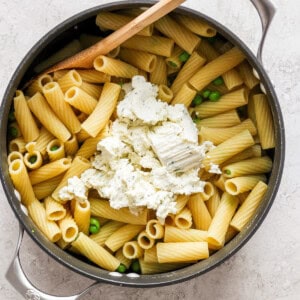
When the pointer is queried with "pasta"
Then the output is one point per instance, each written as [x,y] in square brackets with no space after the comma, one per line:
[220,222]
[40,108]
[181,252]
[249,206]
[57,123]
[55,97]
[95,252]
[37,212]
[124,234]
[24,118]
[102,112]
[182,36]
[155,44]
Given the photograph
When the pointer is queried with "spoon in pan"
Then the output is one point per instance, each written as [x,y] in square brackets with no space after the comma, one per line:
[85,58]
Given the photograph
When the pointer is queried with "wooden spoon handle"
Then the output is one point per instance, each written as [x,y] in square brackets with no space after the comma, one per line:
[85,58]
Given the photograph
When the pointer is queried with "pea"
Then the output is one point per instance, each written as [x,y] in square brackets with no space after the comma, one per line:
[135,266]
[206,93]
[184,56]
[197,100]
[218,81]
[11,116]
[94,225]
[13,132]
[228,172]
[121,268]
[196,120]
[214,96]
[54,148]
[32,159]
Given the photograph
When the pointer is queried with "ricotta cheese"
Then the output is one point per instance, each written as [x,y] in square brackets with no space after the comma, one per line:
[151,156]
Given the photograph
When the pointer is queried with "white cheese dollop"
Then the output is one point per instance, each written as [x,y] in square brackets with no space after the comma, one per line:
[151,156]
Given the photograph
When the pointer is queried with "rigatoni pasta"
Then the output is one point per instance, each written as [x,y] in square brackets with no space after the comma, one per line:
[75,113]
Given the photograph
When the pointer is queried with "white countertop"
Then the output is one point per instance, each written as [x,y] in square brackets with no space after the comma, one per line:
[268,266]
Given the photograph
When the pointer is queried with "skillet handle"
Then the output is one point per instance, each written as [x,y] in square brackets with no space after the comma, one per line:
[266,11]
[17,278]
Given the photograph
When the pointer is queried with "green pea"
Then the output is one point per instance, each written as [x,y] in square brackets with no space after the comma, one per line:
[53,148]
[184,56]
[218,81]
[172,64]
[206,93]
[197,100]
[94,225]
[32,159]
[13,132]
[196,120]
[228,172]
[214,96]
[135,266]
[11,116]
[121,268]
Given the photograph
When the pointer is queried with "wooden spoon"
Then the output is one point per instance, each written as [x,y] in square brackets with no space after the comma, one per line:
[85,58]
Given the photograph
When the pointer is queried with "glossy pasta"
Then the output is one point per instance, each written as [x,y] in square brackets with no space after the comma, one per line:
[61,117]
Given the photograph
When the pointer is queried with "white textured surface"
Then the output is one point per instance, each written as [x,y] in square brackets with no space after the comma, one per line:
[268,266]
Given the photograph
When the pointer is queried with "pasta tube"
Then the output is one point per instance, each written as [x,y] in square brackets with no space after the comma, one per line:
[178,235]
[201,216]
[229,148]
[19,176]
[196,25]
[106,231]
[153,44]
[40,108]
[104,109]
[123,235]
[217,67]
[71,78]
[80,100]
[148,268]
[54,211]
[256,165]
[61,108]
[154,229]
[182,36]
[264,121]
[181,252]
[145,241]
[243,184]
[25,120]
[95,253]
[101,208]
[37,212]
[132,250]
[226,103]
[50,170]
[45,188]
[140,59]
[220,222]
[219,135]
[82,214]
[193,64]
[114,67]
[249,206]
[108,20]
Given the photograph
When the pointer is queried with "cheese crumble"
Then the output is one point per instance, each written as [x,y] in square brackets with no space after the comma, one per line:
[151,156]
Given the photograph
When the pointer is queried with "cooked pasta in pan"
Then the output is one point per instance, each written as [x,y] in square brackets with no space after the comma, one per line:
[152,160]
